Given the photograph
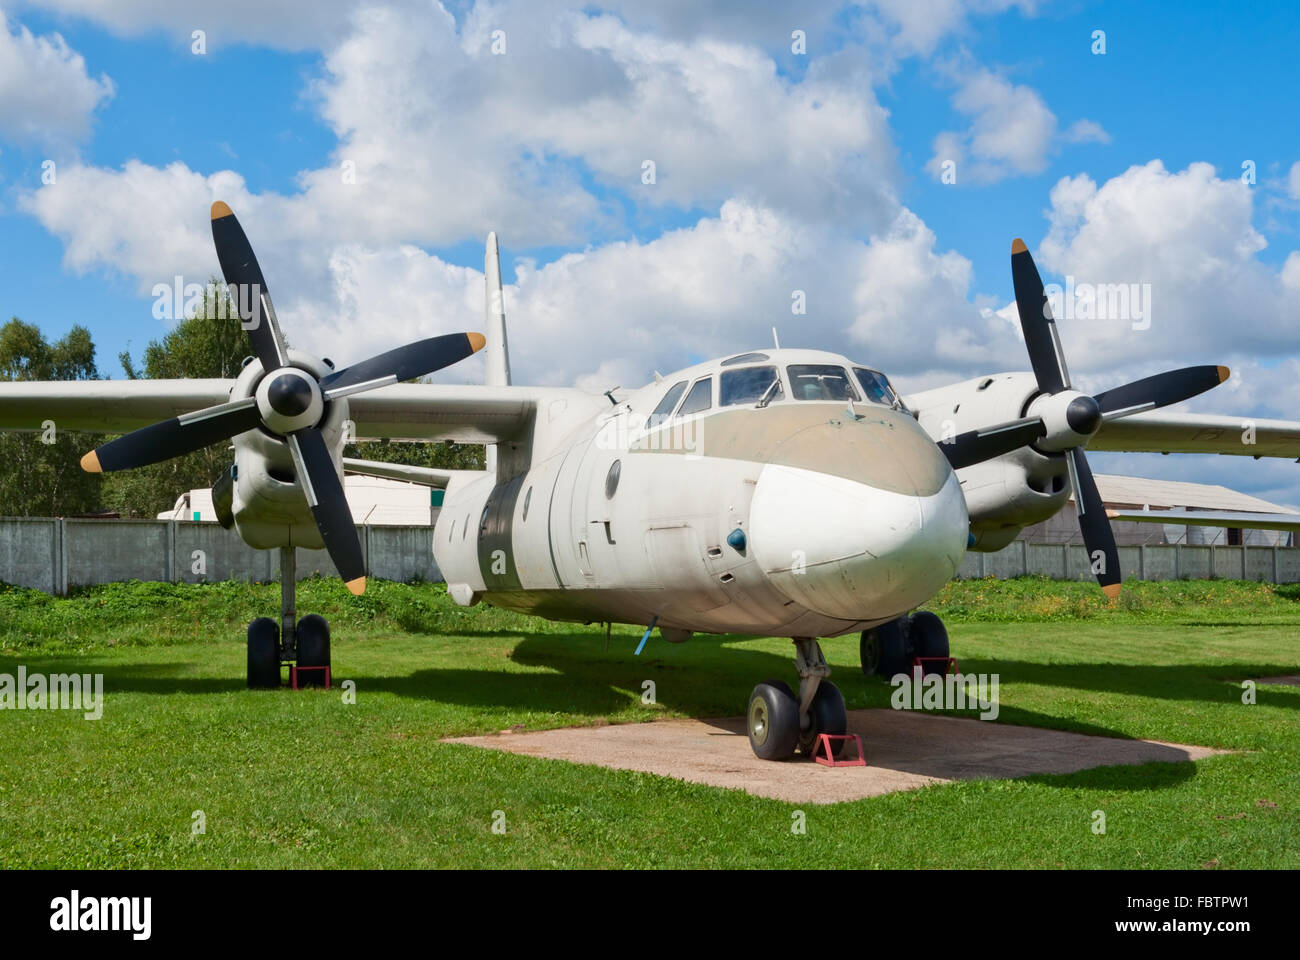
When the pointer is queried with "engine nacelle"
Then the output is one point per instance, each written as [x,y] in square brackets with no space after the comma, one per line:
[268,505]
[1005,495]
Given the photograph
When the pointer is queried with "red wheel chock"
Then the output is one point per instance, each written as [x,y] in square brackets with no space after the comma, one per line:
[951,663]
[824,746]
[293,674]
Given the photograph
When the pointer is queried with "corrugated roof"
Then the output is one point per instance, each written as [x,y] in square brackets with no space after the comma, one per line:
[1141,492]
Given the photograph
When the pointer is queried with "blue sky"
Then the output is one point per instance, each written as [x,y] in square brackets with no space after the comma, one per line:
[758,193]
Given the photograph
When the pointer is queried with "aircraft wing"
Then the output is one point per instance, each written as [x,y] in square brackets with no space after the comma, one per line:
[1158,432]
[1212,518]
[466,413]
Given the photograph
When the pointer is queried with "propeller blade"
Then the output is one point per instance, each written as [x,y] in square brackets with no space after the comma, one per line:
[329,505]
[1093,522]
[174,437]
[1041,339]
[404,363]
[976,446]
[1159,391]
[239,267]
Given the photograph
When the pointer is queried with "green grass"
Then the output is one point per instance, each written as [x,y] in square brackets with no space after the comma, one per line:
[302,779]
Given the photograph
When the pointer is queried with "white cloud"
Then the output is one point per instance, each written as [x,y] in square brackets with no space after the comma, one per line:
[1011,130]
[1085,131]
[1190,236]
[1293,181]
[46,94]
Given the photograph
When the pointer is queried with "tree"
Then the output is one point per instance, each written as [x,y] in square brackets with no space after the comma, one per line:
[208,343]
[40,473]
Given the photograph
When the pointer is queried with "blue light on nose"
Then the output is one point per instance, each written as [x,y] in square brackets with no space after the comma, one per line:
[970,540]
[736,539]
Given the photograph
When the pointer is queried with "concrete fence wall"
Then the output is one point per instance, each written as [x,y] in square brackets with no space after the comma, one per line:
[53,554]
[1147,562]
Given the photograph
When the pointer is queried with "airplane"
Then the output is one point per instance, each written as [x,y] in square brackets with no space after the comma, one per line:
[772,492]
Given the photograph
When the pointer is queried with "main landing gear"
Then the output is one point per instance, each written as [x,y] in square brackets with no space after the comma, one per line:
[888,649]
[781,722]
[306,641]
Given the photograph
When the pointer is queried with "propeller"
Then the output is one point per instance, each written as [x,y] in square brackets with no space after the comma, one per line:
[288,401]
[1063,419]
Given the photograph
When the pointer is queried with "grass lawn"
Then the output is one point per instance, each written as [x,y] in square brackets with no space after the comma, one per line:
[290,779]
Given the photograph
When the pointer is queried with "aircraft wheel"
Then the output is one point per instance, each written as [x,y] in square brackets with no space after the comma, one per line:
[773,722]
[884,650]
[263,654]
[929,639]
[828,716]
[313,649]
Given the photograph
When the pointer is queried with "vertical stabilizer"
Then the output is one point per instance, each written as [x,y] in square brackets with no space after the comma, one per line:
[496,352]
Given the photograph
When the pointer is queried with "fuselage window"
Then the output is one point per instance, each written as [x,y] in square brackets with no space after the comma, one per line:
[820,381]
[665,408]
[528,498]
[749,385]
[700,397]
[875,386]
[611,479]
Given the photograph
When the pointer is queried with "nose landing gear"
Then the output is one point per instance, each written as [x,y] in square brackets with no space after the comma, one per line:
[780,723]
[305,642]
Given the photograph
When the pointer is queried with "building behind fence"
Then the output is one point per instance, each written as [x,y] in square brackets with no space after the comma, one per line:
[56,554]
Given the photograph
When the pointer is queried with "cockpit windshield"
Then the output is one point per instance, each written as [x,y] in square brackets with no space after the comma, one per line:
[820,381]
[749,385]
[875,386]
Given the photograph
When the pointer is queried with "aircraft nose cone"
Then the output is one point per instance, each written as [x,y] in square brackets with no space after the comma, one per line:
[850,551]
[289,395]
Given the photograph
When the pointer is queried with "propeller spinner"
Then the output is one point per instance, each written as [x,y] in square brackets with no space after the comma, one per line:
[288,401]
[1063,420]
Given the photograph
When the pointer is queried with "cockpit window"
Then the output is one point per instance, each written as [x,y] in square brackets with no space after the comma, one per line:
[744,358]
[875,386]
[700,397]
[665,408]
[820,381]
[749,385]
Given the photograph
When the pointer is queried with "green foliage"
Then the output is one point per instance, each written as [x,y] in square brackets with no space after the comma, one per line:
[40,473]
[438,456]
[208,343]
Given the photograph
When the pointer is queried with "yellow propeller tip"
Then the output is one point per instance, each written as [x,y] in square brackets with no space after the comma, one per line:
[356,587]
[1224,374]
[219,210]
[1111,590]
[477,341]
[1018,246]
[90,463]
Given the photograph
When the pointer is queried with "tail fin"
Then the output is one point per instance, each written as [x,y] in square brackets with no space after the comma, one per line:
[496,352]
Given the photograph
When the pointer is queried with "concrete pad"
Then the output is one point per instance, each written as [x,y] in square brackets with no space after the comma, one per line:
[905,750]
[1291,680]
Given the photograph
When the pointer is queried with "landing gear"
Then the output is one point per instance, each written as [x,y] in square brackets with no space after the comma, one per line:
[781,722]
[888,649]
[305,641]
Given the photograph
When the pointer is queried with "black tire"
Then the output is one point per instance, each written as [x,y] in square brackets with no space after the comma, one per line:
[772,719]
[263,654]
[828,715]
[783,687]
[884,650]
[929,639]
[313,649]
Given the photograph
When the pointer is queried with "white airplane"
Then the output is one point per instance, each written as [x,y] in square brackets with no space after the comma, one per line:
[780,492]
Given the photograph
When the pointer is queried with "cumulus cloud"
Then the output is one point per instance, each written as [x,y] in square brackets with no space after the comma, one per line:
[1189,235]
[46,94]
[1011,130]
[1085,131]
